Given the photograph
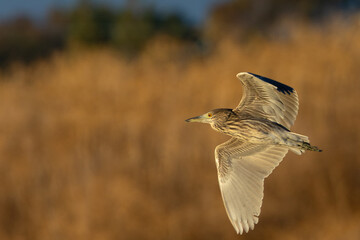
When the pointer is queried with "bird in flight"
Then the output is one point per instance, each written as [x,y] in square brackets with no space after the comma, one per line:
[260,138]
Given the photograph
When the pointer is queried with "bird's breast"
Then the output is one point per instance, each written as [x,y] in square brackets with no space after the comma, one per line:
[246,130]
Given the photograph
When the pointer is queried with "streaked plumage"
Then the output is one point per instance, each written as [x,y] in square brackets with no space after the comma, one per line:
[260,138]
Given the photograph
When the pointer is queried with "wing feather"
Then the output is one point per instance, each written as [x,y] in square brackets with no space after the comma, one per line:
[242,168]
[267,98]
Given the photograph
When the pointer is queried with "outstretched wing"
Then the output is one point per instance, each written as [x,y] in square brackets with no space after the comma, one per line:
[269,99]
[242,168]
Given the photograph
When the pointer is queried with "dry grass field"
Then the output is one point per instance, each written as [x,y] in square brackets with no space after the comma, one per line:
[93,146]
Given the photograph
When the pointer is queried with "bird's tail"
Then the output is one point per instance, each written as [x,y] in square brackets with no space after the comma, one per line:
[307,146]
[299,143]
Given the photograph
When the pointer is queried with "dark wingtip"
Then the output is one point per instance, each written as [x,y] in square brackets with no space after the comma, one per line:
[279,86]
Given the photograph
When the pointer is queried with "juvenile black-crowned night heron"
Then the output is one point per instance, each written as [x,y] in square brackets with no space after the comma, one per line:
[260,138]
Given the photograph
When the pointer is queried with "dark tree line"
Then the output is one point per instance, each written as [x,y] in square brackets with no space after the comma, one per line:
[126,29]
[245,18]
[130,28]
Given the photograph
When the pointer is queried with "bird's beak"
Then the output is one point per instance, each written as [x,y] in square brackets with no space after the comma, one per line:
[197,119]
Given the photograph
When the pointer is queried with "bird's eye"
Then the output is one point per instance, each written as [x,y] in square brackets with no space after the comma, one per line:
[209,115]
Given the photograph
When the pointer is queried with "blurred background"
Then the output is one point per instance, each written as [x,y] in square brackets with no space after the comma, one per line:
[93,98]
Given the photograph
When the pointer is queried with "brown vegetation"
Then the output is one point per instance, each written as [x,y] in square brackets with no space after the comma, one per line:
[96,147]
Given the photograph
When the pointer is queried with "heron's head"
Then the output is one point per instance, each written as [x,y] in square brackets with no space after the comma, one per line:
[212,117]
